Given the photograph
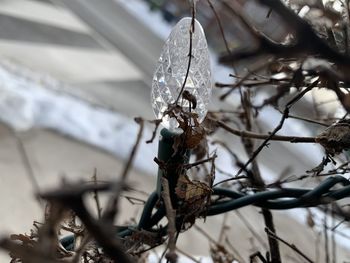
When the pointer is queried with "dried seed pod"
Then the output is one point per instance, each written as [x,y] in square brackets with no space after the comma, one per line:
[191,98]
[336,137]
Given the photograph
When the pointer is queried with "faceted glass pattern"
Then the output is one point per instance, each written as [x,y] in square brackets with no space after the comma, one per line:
[171,71]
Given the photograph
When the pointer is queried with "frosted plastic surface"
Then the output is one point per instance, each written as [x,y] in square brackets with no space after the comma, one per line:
[171,71]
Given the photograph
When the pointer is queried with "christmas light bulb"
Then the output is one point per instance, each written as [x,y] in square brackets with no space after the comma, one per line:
[171,71]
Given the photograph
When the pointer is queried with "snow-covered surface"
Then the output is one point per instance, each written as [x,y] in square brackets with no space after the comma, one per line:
[29,100]
[34,100]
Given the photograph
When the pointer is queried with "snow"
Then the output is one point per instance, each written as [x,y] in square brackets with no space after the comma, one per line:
[28,100]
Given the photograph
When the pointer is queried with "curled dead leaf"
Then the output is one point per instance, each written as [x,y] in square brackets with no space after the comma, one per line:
[194,197]
[191,190]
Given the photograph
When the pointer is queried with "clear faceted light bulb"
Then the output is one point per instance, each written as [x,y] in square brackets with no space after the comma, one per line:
[171,72]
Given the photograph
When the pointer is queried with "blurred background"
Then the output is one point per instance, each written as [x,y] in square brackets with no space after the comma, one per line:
[74,74]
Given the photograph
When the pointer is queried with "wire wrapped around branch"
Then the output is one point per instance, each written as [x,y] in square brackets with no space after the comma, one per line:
[280,199]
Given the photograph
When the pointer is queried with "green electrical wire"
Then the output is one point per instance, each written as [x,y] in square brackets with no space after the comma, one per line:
[281,199]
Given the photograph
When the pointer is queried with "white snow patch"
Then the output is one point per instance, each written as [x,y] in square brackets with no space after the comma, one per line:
[28,100]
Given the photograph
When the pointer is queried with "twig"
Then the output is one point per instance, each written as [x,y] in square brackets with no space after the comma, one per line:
[224,38]
[292,246]
[188,255]
[133,200]
[26,162]
[256,178]
[251,229]
[224,228]
[247,134]
[274,247]
[112,206]
[307,40]
[306,119]
[334,244]
[220,25]
[81,249]
[231,175]
[245,77]
[209,237]
[190,165]
[317,246]
[259,256]
[156,123]
[238,162]
[249,83]
[31,254]
[234,250]
[325,232]
[134,149]
[193,22]
[278,127]
[96,196]
[99,229]
[171,215]
[337,225]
